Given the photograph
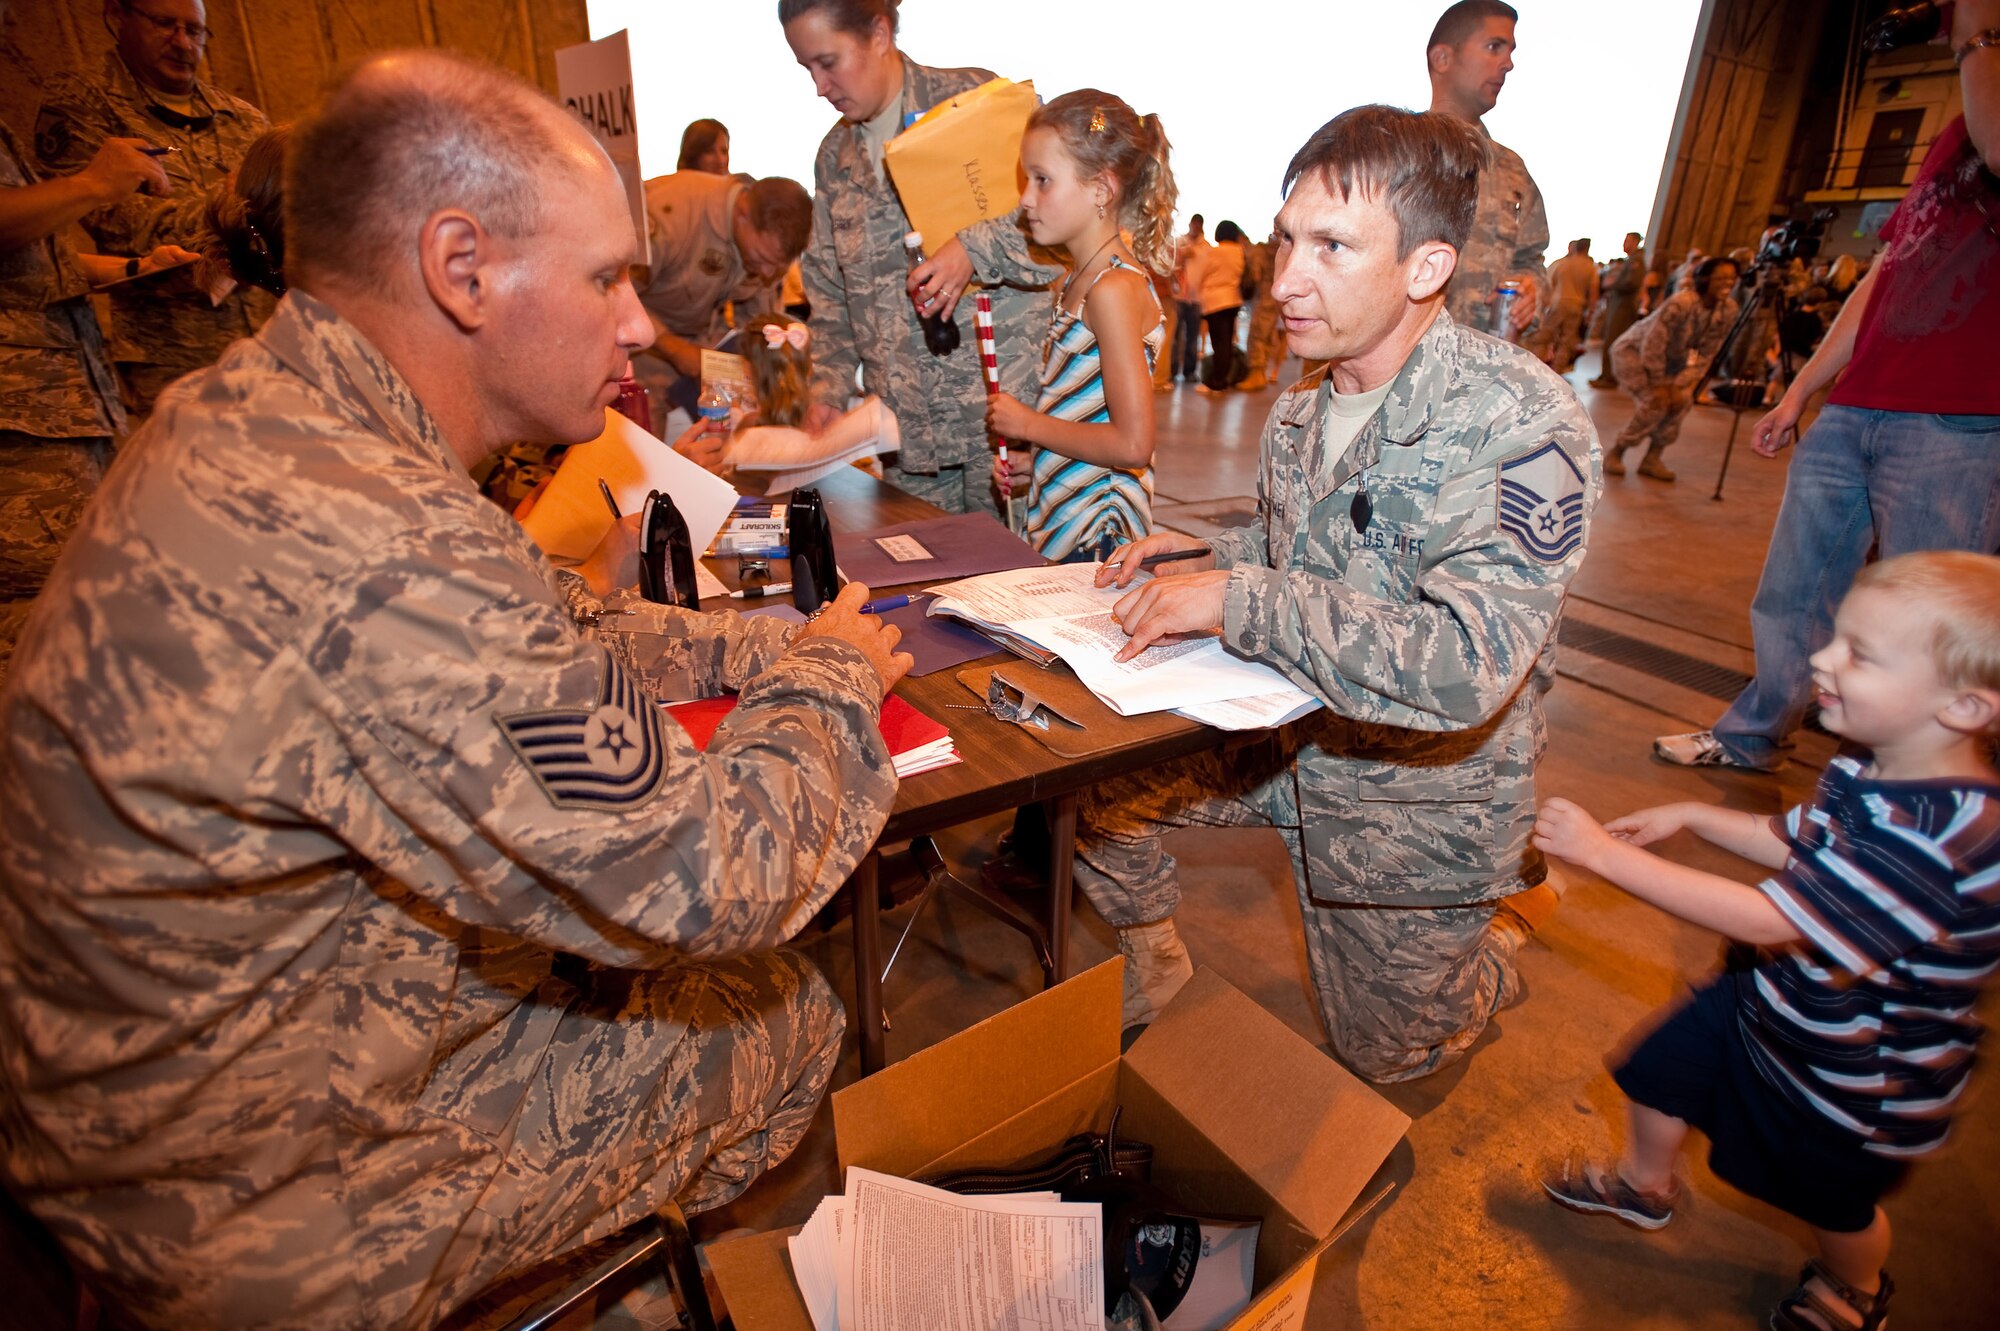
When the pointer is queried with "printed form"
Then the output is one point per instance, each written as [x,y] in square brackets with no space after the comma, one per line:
[1059,609]
[892,1255]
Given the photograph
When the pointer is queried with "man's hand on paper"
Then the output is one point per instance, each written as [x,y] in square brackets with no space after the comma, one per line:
[842,618]
[615,561]
[1125,561]
[704,443]
[1178,603]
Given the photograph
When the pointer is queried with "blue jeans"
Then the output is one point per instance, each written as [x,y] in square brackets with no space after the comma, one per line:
[1186,358]
[1897,481]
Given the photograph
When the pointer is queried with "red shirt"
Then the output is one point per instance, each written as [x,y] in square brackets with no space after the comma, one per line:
[1927,338]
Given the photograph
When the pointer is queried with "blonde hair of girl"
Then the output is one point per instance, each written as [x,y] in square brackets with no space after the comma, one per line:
[780,369]
[1107,138]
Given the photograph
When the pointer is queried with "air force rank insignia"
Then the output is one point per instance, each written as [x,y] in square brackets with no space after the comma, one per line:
[611,757]
[1541,503]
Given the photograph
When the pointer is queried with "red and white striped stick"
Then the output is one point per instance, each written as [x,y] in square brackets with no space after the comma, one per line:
[989,359]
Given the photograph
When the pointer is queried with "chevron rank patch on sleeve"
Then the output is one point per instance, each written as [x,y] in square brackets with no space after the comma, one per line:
[611,757]
[1541,495]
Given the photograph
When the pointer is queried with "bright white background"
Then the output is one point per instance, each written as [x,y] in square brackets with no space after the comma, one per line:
[1238,84]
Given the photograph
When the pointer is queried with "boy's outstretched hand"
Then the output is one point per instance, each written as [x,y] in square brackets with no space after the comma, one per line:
[1564,830]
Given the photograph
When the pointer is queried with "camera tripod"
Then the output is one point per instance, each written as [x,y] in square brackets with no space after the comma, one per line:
[1740,395]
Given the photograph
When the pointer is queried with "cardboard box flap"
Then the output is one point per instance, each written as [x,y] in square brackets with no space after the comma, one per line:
[927,1107]
[1303,1127]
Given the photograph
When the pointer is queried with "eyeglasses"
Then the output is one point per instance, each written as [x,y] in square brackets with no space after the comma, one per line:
[198,33]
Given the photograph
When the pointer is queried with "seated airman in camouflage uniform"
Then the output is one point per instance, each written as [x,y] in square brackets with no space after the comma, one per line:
[1423,502]
[365,933]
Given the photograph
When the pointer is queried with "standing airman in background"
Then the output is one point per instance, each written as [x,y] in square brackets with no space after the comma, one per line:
[720,247]
[1573,290]
[149,89]
[1423,502]
[1622,301]
[1470,53]
[60,413]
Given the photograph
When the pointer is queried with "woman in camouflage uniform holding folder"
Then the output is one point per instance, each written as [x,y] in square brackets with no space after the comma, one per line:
[859,283]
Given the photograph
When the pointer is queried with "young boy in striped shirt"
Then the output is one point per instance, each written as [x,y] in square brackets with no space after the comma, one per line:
[1822,1070]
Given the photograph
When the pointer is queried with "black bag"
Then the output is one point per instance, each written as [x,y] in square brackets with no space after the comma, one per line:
[1084,1158]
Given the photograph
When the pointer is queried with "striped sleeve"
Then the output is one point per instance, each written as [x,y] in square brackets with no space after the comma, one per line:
[1870,889]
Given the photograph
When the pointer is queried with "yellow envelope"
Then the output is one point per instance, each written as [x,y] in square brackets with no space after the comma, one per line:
[959,164]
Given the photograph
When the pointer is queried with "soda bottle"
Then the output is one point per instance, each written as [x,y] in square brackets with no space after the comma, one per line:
[633,403]
[1504,297]
[940,333]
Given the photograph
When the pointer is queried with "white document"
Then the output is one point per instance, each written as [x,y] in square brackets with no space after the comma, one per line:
[892,1255]
[1058,608]
[799,458]
[1265,711]
[570,518]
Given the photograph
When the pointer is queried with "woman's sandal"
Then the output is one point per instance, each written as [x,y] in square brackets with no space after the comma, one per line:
[1873,1309]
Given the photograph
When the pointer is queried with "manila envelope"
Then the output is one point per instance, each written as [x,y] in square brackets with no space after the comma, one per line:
[960,163]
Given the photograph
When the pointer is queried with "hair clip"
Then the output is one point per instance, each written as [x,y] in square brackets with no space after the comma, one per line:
[795,333]
[1097,121]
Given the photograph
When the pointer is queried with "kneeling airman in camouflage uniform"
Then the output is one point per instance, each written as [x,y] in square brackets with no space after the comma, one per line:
[1423,504]
[366,933]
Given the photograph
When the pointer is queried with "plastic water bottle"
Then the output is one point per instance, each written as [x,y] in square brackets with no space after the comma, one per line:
[940,333]
[713,406]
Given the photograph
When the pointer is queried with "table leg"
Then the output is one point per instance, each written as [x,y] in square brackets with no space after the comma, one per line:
[867,888]
[1062,880]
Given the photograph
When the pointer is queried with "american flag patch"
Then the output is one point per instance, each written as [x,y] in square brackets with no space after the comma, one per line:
[611,757]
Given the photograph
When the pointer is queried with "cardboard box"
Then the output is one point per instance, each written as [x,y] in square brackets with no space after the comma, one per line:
[1244,1117]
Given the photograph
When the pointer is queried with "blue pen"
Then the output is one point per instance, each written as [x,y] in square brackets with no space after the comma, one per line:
[885,605]
[775,552]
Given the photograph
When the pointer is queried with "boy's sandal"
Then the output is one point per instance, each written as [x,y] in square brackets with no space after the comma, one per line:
[1872,1309]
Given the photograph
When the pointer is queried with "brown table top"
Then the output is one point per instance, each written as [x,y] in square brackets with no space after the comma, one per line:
[1004,766]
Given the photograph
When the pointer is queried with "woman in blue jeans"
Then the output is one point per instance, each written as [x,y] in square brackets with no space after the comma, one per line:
[1906,454]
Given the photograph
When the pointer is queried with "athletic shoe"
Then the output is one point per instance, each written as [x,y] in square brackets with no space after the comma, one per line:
[1699,748]
[1597,1189]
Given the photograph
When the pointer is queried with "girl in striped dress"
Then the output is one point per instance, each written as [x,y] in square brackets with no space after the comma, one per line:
[1096,172]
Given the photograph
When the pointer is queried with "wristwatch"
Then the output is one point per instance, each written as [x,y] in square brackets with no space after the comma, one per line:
[1990,37]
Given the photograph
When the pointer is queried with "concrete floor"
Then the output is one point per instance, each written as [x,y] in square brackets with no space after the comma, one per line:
[1468,1239]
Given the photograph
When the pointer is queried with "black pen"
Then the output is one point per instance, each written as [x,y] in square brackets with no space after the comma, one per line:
[1172,558]
[610,501]
[158,152]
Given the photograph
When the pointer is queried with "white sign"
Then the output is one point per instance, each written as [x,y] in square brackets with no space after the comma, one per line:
[595,82]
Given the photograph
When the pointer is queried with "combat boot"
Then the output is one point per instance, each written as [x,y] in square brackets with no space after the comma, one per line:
[1156,966]
[1614,460]
[1652,466]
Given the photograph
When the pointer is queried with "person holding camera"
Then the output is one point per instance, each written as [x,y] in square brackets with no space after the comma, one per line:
[1906,453]
[1660,359]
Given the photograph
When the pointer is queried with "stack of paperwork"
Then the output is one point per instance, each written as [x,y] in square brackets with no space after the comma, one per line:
[892,1255]
[1058,610]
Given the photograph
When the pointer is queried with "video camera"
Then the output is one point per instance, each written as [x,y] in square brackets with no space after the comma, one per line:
[1906,25]
[1795,239]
